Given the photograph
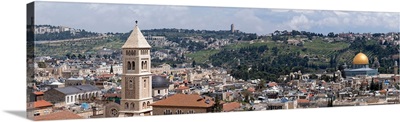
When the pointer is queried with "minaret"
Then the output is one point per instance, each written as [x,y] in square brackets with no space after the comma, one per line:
[136,76]
[232,28]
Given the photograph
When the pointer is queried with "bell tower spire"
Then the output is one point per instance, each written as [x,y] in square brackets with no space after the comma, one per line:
[136,76]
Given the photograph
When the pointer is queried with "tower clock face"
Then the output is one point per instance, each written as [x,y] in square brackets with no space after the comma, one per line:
[114,112]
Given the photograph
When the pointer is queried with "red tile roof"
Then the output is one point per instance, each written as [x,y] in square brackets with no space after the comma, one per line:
[271,84]
[61,115]
[303,101]
[105,75]
[42,103]
[111,95]
[251,89]
[182,88]
[38,93]
[230,106]
[185,100]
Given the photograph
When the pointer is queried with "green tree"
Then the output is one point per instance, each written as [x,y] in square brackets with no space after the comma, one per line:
[313,76]
[193,63]
[372,86]
[111,70]
[330,102]
[217,107]
[73,56]
[261,84]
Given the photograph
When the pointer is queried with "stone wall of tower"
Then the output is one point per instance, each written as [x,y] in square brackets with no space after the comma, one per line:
[136,76]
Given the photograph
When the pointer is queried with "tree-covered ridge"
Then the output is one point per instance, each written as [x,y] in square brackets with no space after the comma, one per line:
[269,60]
[49,33]
[64,35]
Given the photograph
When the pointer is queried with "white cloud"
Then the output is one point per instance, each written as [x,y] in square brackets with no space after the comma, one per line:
[304,11]
[341,13]
[280,10]
[121,17]
[300,23]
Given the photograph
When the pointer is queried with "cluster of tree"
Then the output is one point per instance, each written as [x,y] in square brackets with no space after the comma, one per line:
[252,63]
[284,35]
[375,86]
[330,101]
[64,35]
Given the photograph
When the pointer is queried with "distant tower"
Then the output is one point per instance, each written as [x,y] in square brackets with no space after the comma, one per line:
[136,76]
[232,28]
[376,63]
[396,68]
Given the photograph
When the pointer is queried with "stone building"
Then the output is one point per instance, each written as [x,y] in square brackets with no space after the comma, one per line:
[70,95]
[160,86]
[183,104]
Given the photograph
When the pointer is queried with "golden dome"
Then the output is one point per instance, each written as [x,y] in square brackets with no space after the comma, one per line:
[360,58]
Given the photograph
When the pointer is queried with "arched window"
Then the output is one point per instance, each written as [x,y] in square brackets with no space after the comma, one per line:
[167,112]
[148,103]
[132,106]
[129,66]
[191,112]
[179,112]
[145,64]
[142,64]
[127,52]
[68,99]
[144,105]
[126,106]
[133,65]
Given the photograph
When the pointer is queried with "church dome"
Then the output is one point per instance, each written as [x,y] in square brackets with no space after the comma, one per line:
[360,59]
[159,82]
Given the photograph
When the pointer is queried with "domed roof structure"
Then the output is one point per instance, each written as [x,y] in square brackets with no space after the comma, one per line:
[360,59]
[159,82]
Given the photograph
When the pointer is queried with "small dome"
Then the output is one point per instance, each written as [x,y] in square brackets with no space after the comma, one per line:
[159,82]
[360,59]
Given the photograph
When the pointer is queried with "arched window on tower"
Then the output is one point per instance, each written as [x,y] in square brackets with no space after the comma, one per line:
[126,106]
[148,104]
[133,65]
[132,106]
[129,65]
[145,64]
[144,105]
[142,64]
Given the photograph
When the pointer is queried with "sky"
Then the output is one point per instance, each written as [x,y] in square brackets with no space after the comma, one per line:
[99,17]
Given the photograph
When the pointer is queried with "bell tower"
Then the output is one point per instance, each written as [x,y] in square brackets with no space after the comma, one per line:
[136,76]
